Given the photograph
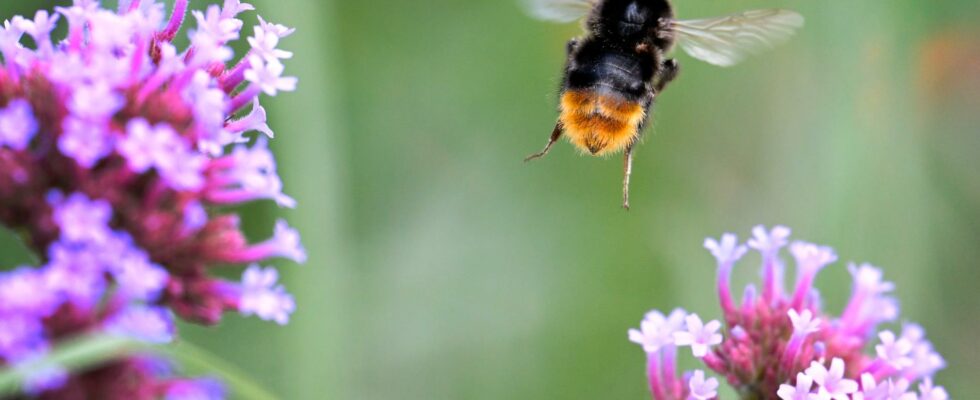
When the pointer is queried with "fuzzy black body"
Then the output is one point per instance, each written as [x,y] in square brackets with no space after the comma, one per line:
[614,72]
[624,48]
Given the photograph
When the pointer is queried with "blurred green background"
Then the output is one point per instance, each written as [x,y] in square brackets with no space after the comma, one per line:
[441,267]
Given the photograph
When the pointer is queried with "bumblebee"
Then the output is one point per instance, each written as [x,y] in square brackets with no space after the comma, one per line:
[614,73]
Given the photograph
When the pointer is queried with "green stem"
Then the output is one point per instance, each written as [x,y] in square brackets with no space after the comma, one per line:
[75,355]
[91,351]
[195,358]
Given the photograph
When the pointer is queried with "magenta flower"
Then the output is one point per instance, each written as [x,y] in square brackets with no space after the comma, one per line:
[261,296]
[929,392]
[870,388]
[802,390]
[120,158]
[657,330]
[699,336]
[701,388]
[781,344]
[832,383]
[17,125]
[150,324]
[894,351]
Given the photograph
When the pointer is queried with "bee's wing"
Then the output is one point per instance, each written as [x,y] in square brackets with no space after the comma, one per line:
[725,41]
[559,10]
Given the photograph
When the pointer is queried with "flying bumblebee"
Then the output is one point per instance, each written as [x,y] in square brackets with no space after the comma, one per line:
[618,68]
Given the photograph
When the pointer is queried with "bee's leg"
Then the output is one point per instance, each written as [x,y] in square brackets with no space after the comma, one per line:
[668,71]
[555,135]
[627,171]
[664,30]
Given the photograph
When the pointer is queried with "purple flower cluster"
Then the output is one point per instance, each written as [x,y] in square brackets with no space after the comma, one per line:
[119,158]
[779,344]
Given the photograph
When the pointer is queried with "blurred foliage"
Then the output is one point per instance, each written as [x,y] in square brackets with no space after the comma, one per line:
[443,267]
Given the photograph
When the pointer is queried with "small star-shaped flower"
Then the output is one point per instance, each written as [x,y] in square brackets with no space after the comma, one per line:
[929,392]
[867,278]
[870,389]
[804,323]
[17,125]
[727,250]
[802,390]
[899,390]
[41,26]
[702,389]
[769,242]
[149,324]
[81,219]
[810,257]
[287,242]
[216,24]
[698,335]
[894,351]
[265,44]
[656,330]
[832,383]
[262,296]
[267,74]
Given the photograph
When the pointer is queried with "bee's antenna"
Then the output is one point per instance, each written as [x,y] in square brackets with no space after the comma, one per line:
[555,135]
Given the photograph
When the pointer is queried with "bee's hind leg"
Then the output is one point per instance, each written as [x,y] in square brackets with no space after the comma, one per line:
[668,71]
[555,135]
[627,171]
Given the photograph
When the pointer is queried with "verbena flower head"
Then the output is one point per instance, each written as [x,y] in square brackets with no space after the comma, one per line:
[781,344]
[120,156]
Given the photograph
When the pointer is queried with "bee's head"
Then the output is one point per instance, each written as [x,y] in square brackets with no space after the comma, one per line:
[631,19]
[634,14]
